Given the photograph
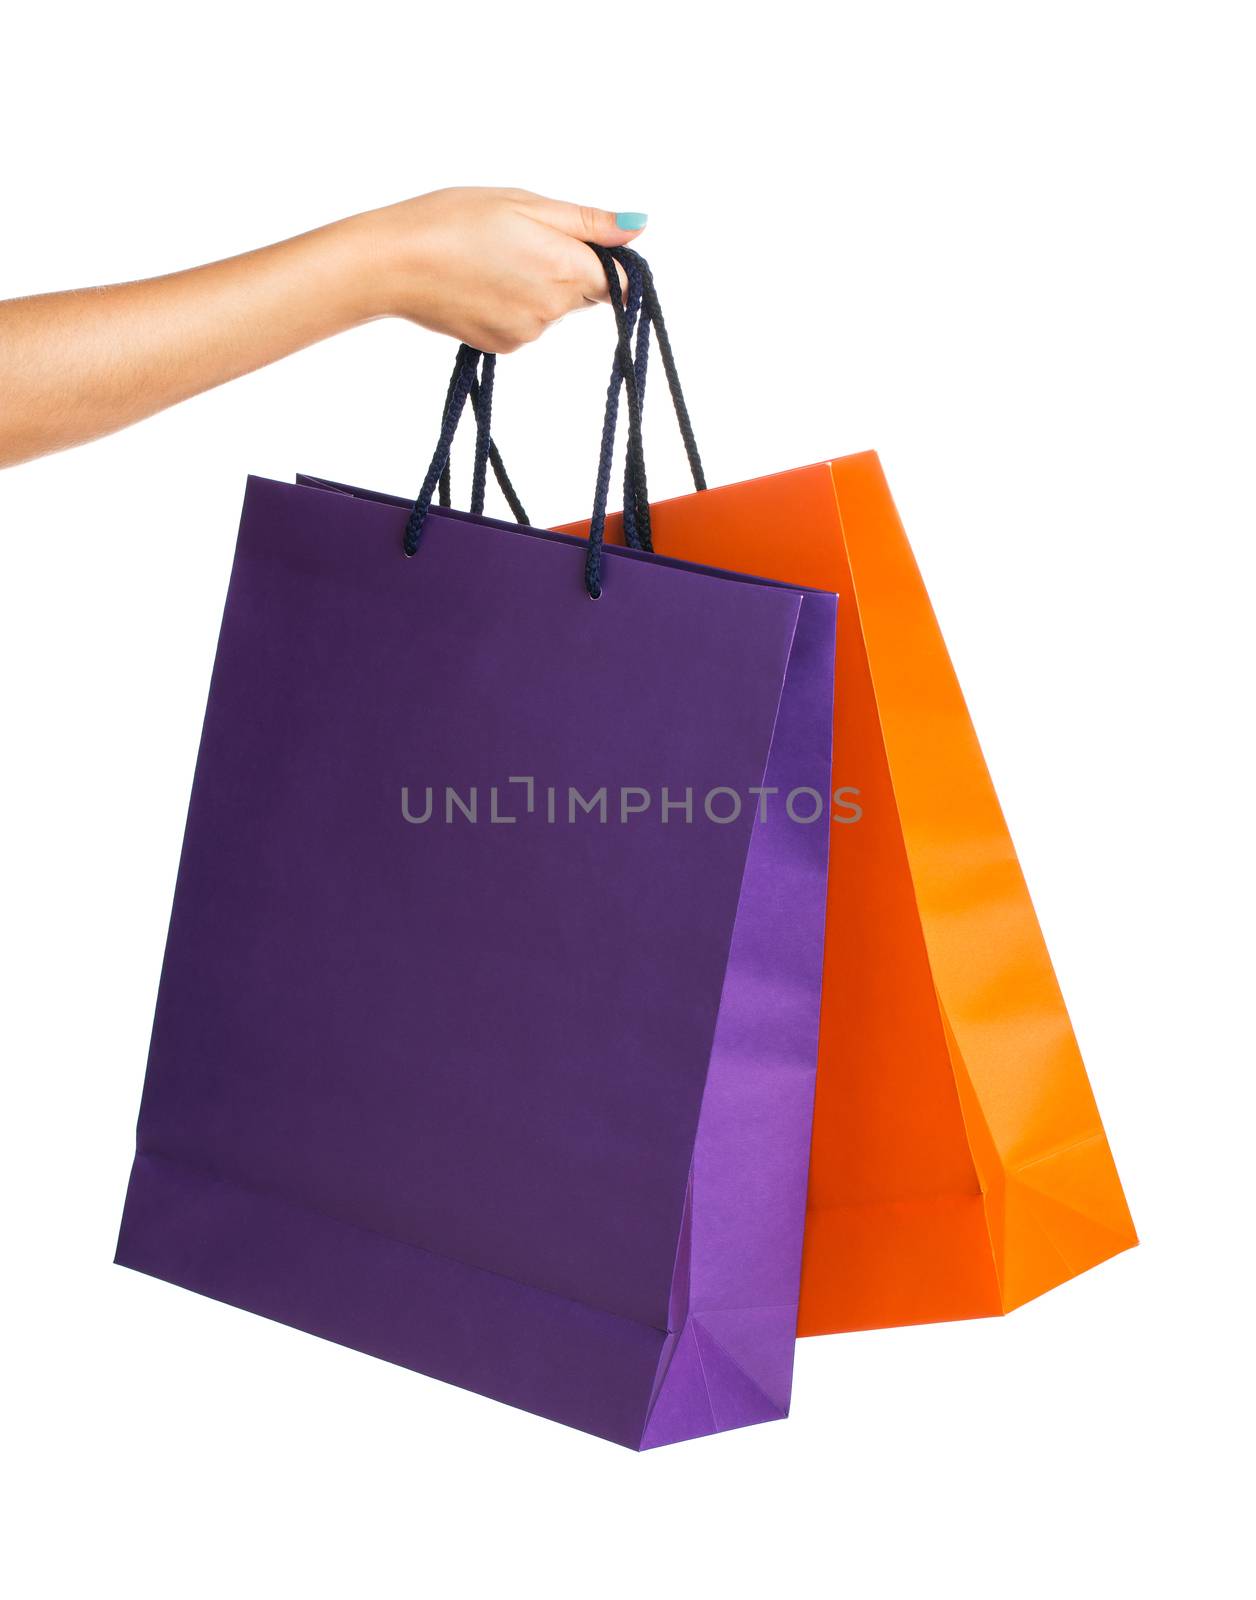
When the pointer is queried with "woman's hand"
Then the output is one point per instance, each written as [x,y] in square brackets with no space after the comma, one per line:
[492,267]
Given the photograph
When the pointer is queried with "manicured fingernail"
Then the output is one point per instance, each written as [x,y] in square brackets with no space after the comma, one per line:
[630,221]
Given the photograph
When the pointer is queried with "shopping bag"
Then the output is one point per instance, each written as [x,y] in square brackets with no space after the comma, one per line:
[959,1166]
[486,1033]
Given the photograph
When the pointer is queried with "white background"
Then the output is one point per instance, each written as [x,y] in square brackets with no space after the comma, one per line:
[1006,245]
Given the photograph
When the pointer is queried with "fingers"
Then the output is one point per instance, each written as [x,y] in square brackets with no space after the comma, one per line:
[584,222]
[593,286]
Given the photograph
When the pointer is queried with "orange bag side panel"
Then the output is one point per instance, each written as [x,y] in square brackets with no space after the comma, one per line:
[1020,1075]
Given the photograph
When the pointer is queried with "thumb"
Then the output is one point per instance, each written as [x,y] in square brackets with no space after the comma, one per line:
[585,222]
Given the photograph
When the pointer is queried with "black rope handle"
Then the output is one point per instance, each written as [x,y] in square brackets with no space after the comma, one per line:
[644,296]
[611,418]
[635,453]
[504,484]
[632,264]
[482,432]
[463,384]
[639,315]
[463,380]
[654,312]
[443,483]
[635,536]
[464,372]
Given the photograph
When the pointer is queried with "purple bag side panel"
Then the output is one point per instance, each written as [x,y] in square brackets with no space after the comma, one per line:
[735,1294]
[403,1090]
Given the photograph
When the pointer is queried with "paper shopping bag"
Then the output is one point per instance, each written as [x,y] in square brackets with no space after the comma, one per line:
[959,1165]
[486,1034]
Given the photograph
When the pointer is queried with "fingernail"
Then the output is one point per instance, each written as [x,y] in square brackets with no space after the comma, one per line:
[630,221]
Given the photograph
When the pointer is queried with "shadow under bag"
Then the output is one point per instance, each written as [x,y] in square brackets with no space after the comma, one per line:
[522,1102]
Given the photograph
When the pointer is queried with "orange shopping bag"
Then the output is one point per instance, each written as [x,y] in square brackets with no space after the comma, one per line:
[958,1166]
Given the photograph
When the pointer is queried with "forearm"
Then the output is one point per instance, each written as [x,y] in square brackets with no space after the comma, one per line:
[77,365]
[493,267]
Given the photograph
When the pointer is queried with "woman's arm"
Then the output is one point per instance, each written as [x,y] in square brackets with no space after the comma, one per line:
[493,267]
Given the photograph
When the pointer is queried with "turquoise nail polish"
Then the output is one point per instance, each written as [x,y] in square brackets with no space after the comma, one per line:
[630,221]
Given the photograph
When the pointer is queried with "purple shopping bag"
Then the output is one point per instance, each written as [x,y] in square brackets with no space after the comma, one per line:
[486,1034]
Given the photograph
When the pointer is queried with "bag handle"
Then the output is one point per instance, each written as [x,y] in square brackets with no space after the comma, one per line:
[643,297]
[630,369]
[639,314]
[652,314]
[463,384]
[639,322]
[481,396]
[625,373]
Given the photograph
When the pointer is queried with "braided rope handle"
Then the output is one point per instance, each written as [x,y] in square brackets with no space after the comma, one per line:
[636,313]
[509,493]
[459,388]
[654,312]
